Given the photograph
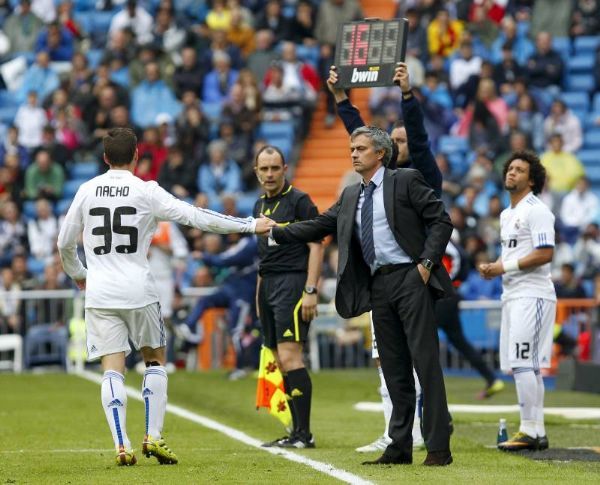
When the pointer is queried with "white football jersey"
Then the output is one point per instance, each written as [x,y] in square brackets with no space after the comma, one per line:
[118,213]
[527,226]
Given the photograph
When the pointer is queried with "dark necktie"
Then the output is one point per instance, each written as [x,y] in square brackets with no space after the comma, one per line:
[366,225]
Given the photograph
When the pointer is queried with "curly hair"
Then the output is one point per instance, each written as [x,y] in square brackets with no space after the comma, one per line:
[537,172]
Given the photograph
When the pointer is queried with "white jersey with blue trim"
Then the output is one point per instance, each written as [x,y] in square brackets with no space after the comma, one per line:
[117,213]
[523,228]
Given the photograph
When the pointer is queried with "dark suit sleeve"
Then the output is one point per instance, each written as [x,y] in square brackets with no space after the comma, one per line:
[349,115]
[308,231]
[418,144]
[432,212]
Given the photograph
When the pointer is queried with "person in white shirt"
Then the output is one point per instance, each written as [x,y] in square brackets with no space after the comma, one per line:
[30,120]
[528,297]
[42,231]
[578,209]
[118,214]
[137,19]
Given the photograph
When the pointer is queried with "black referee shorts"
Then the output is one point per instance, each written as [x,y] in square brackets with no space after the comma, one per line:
[280,308]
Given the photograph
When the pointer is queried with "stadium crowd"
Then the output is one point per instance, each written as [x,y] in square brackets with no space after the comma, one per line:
[196,79]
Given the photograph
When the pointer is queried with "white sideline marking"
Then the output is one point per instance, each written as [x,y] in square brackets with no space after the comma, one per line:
[82,450]
[569,413]
[326,468]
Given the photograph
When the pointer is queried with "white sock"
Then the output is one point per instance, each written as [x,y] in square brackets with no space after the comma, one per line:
[386,401]
[114,402]
[526,384]
[154,393]
[416,431]
[539,406]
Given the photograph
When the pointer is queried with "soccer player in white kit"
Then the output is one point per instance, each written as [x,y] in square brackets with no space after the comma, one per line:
[528,296]
[118,213]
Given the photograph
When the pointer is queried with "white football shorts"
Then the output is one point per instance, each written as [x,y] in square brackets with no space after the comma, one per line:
[108,330]
[526,333]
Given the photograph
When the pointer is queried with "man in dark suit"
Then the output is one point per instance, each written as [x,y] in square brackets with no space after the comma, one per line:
[392,233]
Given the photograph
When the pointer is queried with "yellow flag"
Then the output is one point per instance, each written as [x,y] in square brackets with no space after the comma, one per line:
[270,392]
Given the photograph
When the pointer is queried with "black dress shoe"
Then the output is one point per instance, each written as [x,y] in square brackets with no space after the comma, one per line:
[438,458]
[388,460]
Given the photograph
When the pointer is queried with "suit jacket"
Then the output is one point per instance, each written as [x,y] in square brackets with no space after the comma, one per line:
[417,218]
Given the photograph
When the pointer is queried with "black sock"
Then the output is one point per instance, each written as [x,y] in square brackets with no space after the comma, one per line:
[301,393]
[288,391]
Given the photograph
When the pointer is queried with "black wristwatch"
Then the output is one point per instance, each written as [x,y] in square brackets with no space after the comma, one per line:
[310,290]
[427,264]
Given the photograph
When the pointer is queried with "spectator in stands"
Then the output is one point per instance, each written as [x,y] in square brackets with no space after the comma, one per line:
[22,276]
[464,66]
[219,16]
[451,186]
[271,17]
[484,132]
[477,288]
[568,285]
[137,19]
[444,34]
[152,97]
[220,176]
[517,140]
[13,180]
[237,112]
[57,41]
[22,28]
[486,95]
[531,121]
[585,18]
[80,78]
[151,145]
[522,47]
[562,120]
[13,235]
[189,75]
[192,130]
[59,153]
[66,19]
[240,34]
[281,101]
[121,46]
[302,25]
[578,209]
[251,90]
[219,80]
[167,33]
[146,54]
[44,178]
[263,56]
[42,231]
[507,71]
[483,29]
[545,66]
[416,44]
[39,77]
[10,145]
[219,43]
[330,14]
[177,174]
[552,16]
[238,146]
[586,252]
[10,304]
[30,121]
[563,169]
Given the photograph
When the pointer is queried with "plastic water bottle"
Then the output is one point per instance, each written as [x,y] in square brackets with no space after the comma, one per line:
[502,433]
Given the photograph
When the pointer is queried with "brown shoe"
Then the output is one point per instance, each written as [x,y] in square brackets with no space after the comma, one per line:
[438,458]
[388,460]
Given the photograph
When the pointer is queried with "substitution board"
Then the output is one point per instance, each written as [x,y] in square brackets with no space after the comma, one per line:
[367,52]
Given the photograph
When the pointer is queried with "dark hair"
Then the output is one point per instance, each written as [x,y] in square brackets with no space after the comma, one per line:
[398,124]
[537,172]
[119,146]
[269,150]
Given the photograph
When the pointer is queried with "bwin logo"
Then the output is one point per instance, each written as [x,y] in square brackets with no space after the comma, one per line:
[114,403]
[364,76]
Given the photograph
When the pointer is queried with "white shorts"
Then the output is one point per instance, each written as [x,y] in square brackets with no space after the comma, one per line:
[526,333]
[374,351]
[108,330]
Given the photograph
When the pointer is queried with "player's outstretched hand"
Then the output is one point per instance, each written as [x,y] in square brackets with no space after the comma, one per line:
[264,225]
[338,93]
[401,77]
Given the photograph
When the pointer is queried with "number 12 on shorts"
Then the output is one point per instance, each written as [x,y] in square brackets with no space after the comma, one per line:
[522,350]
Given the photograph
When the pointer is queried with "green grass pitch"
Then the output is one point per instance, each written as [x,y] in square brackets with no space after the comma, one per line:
[53,431]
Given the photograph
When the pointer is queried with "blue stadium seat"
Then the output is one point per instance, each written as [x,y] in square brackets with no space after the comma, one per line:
[475,327]
[36,266]
[85,20]
[212,111]
[581,114]
[70,188]
[592,120]
[62,206]
[586,44]
[29,209]
[593,174]
[576,101]
[583,63]
[458,163]
[452,144]
[581,82]
[7,114]
[589,157]
[45,344]
[563,46]
[83,170]
[7,98]
[276,129]
[94,56]
[596,103]
[591,139]
[84,5]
